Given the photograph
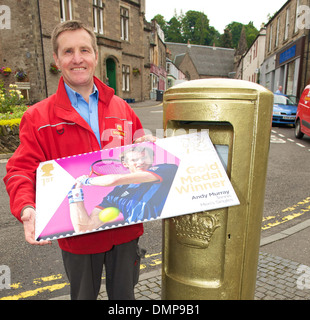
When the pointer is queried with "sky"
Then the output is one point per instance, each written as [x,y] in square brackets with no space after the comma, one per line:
[219,12]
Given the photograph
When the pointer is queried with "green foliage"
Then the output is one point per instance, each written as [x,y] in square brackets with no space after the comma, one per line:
[15,113]
[11,102]
[9,98]
[174,31]
[194,27]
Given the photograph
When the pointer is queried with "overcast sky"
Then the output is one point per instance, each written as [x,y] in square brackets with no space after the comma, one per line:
[219,12]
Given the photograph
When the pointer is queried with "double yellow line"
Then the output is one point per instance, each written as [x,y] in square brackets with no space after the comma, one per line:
[288,214]
[32,293]
[156,260]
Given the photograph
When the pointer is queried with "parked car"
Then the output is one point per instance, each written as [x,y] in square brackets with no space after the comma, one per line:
[302,122]
[284,110]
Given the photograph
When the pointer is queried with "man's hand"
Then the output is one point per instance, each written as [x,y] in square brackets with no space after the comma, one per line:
[28,219]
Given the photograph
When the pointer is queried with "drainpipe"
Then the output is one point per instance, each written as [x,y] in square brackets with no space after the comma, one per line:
[42,47]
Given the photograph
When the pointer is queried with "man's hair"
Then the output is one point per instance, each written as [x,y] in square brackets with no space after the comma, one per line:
[72,25]
[139,149]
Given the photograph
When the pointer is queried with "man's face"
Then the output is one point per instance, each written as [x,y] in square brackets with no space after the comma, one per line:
[77,59]
[137,161]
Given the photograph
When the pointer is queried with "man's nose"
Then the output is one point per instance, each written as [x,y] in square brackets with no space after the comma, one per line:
[77,57]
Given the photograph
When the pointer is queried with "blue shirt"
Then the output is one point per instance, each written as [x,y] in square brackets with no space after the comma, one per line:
[88,111]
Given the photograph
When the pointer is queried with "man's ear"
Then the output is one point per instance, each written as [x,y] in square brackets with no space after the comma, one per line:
[56,59]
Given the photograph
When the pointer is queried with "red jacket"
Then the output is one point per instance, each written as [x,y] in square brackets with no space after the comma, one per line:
[53,129]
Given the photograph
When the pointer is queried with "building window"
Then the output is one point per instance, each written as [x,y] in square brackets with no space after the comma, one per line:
[287,24]
[277,33]
[270,38]
[126,77]
[98,16]
[65,10]
[124,24]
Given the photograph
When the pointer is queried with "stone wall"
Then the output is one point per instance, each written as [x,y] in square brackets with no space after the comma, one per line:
[9,138]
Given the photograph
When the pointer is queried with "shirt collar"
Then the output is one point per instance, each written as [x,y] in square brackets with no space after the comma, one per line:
[74,96]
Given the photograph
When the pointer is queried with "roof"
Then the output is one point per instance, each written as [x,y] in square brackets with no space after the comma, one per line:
[209,61]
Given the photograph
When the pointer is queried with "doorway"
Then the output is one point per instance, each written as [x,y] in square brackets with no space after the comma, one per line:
[111,73]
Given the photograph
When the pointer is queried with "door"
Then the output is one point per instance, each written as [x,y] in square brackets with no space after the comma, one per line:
[111,73]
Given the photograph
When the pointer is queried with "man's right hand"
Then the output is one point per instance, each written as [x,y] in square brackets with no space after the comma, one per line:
[28,219]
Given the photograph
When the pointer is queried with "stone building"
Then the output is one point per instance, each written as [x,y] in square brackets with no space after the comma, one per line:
[286,61]
[123,38]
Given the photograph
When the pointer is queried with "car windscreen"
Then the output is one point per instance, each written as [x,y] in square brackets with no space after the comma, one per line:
[279,99]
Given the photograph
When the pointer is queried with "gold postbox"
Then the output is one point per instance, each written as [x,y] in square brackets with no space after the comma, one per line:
[214,254]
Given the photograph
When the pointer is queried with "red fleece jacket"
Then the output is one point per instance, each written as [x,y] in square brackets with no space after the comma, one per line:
[53,129]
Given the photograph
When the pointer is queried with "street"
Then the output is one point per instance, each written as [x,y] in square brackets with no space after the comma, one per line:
[37,272]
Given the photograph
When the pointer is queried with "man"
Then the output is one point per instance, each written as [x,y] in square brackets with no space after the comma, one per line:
[279,91]
[79,118]
[139,194]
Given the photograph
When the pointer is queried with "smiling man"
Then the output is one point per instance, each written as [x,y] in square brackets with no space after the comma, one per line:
[77,57]
[78,118]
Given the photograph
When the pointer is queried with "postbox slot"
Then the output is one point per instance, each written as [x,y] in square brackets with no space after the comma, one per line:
[221,134]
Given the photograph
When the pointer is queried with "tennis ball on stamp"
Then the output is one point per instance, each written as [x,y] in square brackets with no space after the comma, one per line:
[108,214]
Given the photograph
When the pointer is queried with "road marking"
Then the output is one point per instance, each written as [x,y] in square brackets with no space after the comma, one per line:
[32,293]
[294,211]
[276,137]
[300,145]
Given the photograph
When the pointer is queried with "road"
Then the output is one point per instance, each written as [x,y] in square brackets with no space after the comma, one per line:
[37,272]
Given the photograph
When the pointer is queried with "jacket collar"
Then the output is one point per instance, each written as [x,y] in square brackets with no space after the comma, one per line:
[64,110]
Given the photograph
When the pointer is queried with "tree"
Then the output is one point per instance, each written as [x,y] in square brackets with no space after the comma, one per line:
[251,33]
[226,39]
[235,30]
[174,31]
[195,27]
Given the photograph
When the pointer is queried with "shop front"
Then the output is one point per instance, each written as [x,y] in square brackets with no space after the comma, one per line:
[288,67]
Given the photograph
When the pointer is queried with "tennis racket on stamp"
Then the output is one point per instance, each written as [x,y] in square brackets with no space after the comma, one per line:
[103,167]
[107,166]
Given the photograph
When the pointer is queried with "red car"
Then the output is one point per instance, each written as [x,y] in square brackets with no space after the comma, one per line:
[302,122]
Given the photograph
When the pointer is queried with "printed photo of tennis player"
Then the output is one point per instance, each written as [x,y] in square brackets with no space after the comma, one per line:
[139,192]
